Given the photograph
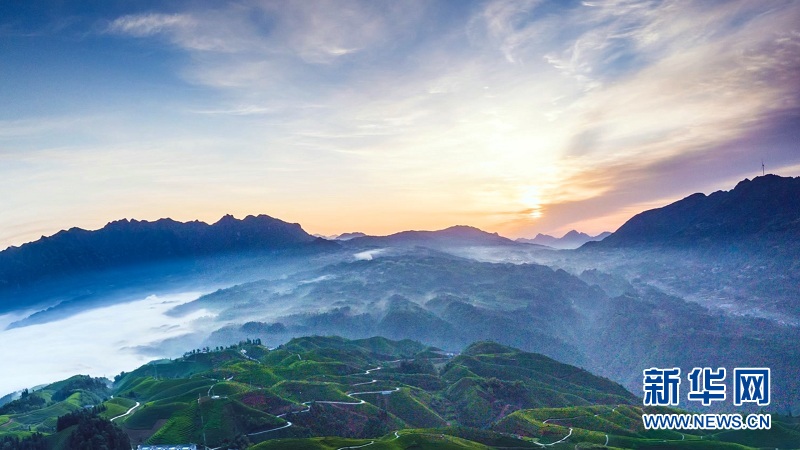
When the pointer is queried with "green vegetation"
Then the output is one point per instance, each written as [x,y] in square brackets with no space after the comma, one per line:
[408,439]
[622,426]
[329,393]
[116,407]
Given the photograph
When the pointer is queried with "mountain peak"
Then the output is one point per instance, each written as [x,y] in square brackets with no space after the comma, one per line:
[350,235]
[573,234]
[465,230]
[571,240]
[764,207]
[129,241]
[227,218]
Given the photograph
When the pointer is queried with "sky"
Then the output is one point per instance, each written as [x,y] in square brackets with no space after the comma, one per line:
[379,116]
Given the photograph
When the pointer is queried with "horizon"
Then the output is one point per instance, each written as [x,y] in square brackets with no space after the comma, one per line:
[513,116]
[337,234]
[328,237]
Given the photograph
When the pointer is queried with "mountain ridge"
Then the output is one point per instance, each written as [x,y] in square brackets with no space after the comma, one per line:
[455,235]
[126,242]
[767,207]
[570,240]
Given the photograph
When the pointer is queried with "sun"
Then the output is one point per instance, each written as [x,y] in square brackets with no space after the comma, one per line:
[531,199]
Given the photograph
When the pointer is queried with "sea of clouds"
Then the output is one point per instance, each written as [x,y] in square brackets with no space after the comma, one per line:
[100,342]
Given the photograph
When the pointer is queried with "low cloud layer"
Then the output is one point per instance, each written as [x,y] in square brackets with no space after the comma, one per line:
[99,342]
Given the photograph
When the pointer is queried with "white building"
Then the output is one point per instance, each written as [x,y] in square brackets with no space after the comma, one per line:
[168,447]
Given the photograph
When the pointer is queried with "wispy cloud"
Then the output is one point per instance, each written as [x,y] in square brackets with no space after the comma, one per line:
[142,25]
[426,114]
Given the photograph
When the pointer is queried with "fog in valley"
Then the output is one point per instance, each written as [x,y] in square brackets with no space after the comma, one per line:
[100,341]
[449,290]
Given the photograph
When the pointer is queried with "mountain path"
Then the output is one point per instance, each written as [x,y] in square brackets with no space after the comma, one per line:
[330,402]
[127,412]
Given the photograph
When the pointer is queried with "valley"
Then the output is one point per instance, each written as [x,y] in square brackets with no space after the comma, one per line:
[410,309]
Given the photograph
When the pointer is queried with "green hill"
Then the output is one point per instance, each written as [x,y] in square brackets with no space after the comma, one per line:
[333,393]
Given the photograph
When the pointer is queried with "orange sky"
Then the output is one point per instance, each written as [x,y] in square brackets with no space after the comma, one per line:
[514,116]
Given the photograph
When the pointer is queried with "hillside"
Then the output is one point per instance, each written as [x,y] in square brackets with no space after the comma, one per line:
[765,209]
[333,393]
[128,242]
[599,321]
[735,252]
[621,427]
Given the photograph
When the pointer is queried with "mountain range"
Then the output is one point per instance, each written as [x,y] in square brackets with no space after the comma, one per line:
[129,242]
[735,252]
[763,211]
[572,239]
[708,280]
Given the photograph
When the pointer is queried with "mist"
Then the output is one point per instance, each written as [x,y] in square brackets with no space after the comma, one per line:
[99,342]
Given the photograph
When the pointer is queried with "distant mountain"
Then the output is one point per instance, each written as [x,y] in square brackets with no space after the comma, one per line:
[602,321]
[459,235]
[765,209]
[348,236]
[126,242]
[573,239]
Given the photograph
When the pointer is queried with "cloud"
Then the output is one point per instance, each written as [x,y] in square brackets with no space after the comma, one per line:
[143,25]
[316,33]
[653,83]
[45,353]
[382,116]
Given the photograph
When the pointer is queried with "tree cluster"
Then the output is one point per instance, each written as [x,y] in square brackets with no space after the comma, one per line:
[27,402]
[33,442]
[75,417]
[80,383]
[92,432]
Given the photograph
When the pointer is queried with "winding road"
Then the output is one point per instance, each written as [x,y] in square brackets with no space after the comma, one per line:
[356,446]
[555,419]
[561,440]
[331,402]
[127,412]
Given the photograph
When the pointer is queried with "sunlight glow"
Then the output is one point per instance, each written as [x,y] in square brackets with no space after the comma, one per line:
[385,116]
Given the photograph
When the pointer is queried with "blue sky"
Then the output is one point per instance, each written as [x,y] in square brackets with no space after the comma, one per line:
[378,116]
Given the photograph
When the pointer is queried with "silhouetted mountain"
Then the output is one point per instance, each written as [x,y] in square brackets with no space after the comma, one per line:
[766,208]
[459,235]
[572,239]
[126,242]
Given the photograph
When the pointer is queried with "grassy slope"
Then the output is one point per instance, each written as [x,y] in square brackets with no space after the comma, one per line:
[408,439]
[219,396]
[624,429]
